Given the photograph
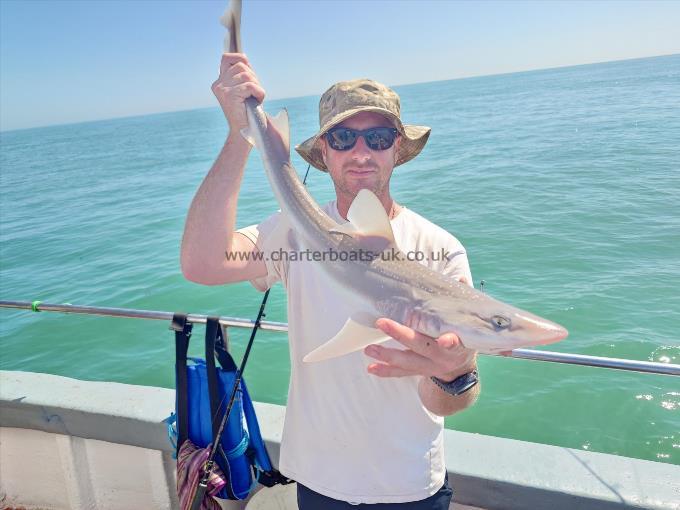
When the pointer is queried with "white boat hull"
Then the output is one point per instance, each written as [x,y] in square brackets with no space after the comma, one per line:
[69,444]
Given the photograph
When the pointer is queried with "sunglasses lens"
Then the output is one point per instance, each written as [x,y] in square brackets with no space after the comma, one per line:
[341,139]
[377,139]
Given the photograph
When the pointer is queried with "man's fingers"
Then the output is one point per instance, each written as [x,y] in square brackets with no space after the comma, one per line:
[405,335]
[229,59]
[448,340]
[238,73]
[382,370]
[422,344]
[406,359]
[235,70]
[252,89]
[245,90]
[244,77]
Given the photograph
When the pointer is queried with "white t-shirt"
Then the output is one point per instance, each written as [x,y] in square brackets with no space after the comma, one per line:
[350,435]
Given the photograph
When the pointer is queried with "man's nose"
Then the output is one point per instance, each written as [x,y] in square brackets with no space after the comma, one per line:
[360,149]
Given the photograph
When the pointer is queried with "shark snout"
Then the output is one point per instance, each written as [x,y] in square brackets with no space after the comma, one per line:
[558,334]
[541,331]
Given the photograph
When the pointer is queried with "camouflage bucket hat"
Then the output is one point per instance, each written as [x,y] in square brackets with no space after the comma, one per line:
[348,98]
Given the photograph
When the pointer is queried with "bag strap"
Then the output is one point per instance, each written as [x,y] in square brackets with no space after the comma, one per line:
[256,441]
[212,330]
[222,350]
[266,474]
[213,339]
[182,329]
[215,346]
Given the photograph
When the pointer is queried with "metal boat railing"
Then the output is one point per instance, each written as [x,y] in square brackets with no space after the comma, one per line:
[535,355]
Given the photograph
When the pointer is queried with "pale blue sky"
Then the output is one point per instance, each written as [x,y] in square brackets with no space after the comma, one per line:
[68,61]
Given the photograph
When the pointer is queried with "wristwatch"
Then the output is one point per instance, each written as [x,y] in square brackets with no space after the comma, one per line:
[460,384]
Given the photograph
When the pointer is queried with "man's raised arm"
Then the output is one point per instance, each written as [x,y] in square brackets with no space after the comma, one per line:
[209,228]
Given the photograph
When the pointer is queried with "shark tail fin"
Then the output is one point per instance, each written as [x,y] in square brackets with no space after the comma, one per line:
[231,20]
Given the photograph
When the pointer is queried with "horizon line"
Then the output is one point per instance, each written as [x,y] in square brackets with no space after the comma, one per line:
[121,117]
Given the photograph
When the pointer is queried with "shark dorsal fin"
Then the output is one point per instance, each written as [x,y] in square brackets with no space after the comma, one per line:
[368,220]
[368,216]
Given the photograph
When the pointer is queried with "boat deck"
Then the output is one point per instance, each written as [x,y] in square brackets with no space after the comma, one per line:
[104,446]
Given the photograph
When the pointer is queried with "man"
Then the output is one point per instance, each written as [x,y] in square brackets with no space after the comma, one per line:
[365,428]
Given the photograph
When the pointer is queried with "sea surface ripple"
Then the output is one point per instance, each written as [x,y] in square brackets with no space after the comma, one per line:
[563,184]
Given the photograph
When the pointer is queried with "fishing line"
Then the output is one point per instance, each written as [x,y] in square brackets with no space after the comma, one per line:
[209,464]
[304,181]
[253,333]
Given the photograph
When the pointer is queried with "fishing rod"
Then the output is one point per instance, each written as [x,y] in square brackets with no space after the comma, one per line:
[650,367]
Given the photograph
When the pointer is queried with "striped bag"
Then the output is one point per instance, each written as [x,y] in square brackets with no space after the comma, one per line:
[190,461]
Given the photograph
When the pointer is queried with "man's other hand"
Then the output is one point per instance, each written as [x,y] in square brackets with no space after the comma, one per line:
[444,357]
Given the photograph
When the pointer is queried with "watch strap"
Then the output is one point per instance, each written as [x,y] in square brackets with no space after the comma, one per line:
[459,385]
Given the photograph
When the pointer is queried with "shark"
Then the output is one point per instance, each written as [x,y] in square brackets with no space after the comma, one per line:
[386,286]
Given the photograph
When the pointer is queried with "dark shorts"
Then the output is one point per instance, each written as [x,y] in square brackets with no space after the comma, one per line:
[310,500]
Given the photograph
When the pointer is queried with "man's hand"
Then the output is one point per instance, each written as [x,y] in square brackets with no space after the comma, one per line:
[236,83]
[443,357]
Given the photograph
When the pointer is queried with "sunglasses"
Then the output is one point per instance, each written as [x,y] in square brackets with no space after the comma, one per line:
[377,138]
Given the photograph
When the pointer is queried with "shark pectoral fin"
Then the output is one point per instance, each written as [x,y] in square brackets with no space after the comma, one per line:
[369,218]
[352,337]
[280,122]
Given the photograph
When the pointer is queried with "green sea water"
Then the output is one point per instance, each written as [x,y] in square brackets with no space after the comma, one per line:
[563,184]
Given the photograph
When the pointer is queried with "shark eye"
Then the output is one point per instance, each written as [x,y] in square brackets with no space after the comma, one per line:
[500,322]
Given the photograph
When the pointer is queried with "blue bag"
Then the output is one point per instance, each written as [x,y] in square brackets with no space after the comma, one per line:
[203,391]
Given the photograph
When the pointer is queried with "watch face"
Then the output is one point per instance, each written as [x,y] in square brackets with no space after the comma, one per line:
[466,382]
[472,381]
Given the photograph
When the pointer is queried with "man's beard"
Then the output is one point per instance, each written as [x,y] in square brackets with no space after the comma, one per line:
[376,183]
